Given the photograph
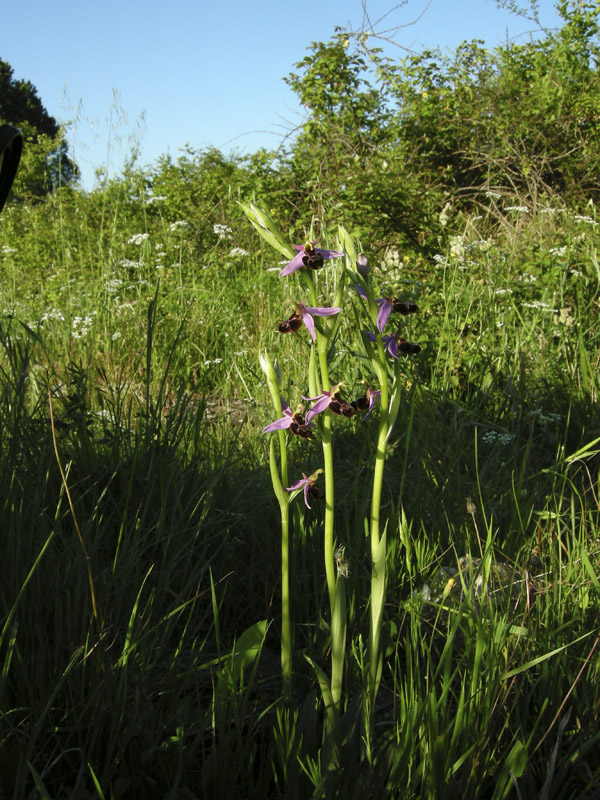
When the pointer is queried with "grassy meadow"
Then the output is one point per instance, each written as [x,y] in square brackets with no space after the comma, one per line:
[139,584]
[182,615]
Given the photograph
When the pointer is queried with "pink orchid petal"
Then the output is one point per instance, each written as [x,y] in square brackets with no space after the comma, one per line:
[296,484]
[327,254]
[278,425]
[310,324]
[321,405]
[306,488]
[322,312]
[303,482]
[282,423]
[294,264]
[385,309]
[392,345]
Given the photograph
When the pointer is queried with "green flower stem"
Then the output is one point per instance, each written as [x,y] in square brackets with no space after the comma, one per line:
[286,622]
[336,591]
[328,538]
[378,543]
[279,478]
[328,542]
[338,641]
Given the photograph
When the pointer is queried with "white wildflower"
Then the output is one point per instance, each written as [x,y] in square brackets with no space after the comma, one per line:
[457,246]
[542,306]
[491,437]
[180,223]
[53,313]
[223,231]
[587,220]
[520,209]
[392,258]
[138,238]
[558,251]
[80,326]
[542,418]
[445,215]
[238,252]
[112,285]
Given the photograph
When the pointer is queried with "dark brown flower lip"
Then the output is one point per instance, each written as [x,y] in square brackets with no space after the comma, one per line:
[340,407]
[408,348]
[402,307]
[290,325]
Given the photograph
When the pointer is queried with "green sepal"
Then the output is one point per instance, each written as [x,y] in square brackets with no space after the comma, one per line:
[267,229]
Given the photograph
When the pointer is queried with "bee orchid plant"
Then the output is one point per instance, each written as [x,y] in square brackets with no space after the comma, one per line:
[328,404]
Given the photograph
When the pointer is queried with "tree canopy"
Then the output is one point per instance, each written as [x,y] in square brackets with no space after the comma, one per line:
[46,162]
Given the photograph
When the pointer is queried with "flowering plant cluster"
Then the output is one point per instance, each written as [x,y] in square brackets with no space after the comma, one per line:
[313,418]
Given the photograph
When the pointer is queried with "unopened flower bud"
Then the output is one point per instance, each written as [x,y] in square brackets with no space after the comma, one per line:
[362,264]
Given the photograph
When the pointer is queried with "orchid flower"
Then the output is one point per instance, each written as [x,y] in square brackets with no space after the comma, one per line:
[305,314]
[290,420]
[387,305]
[321,403]
[309,486]
[393,344]
[389,342]
[331,400]
[385,308]
[310,257]
[366,401]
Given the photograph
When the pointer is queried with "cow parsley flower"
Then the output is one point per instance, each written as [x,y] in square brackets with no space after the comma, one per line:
[138,238]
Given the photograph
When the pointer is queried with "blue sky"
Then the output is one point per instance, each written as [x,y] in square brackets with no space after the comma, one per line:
[164,74]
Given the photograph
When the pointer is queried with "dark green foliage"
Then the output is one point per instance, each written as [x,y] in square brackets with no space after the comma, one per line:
[46,163]
[19,102]
[521,120]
